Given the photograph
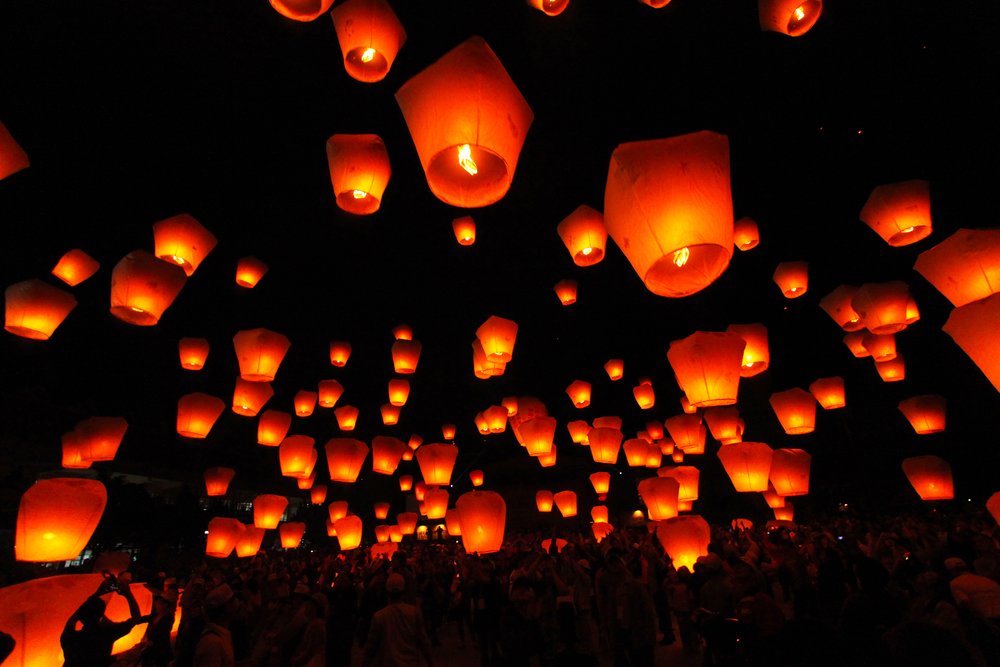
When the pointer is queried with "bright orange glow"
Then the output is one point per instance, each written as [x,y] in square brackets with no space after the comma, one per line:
[143,287]
[273,427]
[465,159]
[35,309]
[56,517]
[74,267]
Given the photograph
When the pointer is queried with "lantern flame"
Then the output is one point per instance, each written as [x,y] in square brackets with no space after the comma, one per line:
[466,161]
[368,55]
[587,251]
[799,13]
[359,194]
[681,257]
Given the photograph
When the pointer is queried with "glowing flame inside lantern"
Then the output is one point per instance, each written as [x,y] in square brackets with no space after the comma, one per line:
[799,13]
[368,55]
[587,251]
[359,194]
[465,159]
[681,257]
[177,260]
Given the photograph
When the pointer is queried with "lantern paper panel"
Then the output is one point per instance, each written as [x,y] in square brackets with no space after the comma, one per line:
[965,267]
[56,518]
[222,535]
[370,36]
[329,392]
[301,10]
[883,307]
[75,266]
[837,304]
[183,241]
[349,530]
[359,171]
[615,369]
[789,17]
[297,456]
[267,510]
[193,353]
[566,292]
[100,437]
[584,235]
[437,462]
[290,533]
[34,309]
[708,367]
[930,477]
[405,356]
[249,271]
[660,494]
[973,327]
[899,212]
[340,352]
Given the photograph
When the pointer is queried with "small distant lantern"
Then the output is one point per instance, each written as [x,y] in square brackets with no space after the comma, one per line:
[306,483]
[267,510]
[405,356]
[448,431]
[724,423]
[468,144]
[708,367]
[249,271]
[566,502]
[668,206]
[829,392]
[301,10]
[75,266]
[340,352]
[837,304]
[605,444]
[688,478]
[893,370]
[436,463]
[337,510]
[35,309]
[329,393]
[390,414]
[476,477]
[599,514]
[359,171]
[636,451]
[644,396]
[386,454]
[464,229]
[654,429]
[796,410]
[687,432]
[305,403]
[544,501]
[419,489]
[615,368]
[883,307]
[496,418]
[297,456]
[217,480]
[273,427]
[566,292]
[756,354]
[510,402]
[260,353]
[72,454]
[684,539]
[407,522]
[183,241]
[405,482]
[370,36]
[100,437]
[12,157]
[197,413]
[973,327]
[899,212]
[601,482]
[402,332]
[482,517]
[789,17]
[789,474]
[250,397]
[965,267]
[344,458]
[881,347]
[855,343]
[290,534]
[497,336]
[792,278]
[56,517]
[317,495]
[222,536]
[549,7]
[414,442]
[143,287]
[926,414]
[659,494]
[748,465]
[381,510]
[436,503]
[930,476]
[348,532]
[347,417]
[745,234]
[399,391]
[584,235]
[773,499]
[193,353]
[579,393]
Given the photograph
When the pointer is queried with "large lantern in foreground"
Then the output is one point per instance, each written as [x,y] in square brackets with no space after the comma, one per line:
[789,17]
[301,10]
[899,212]
[973,327]
[183,241]
[926,414]
[143,287]
[12,157]
[260,353]
[436,463]
[930,476]
[56,518]
[370,36]
[668,206]
[34,309]
[584,235]
[75,266]
[197,413]
[747,464]
[468,122]
[708,366]
[659,494]
[222,535]
[344,458]
[965,267]
[684,539]
[359,171]
[482,518]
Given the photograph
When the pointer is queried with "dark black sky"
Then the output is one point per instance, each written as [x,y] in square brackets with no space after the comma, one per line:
[135,111]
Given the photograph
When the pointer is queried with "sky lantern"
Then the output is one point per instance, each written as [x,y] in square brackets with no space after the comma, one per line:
[747,464]
[464,229]
[883,306]
[349,529]
[659,494]
[301,10]
[789,17]
[785,513]
[183,241]
[881,347]
[395,534]
[549,7]
[481,425]
[687,477]
[973,327]
[402,332]
[405,482]
[668,206]
[789,474]
[405,356]
[222,535]
[267,510]
[636,451]
[399,391]
[72,453]
[771,497]
[386,453]
[609,421]
[56,517]
[193,353]
[468,122]
[344,457]
[724,423]
[260,352]
[340,352]
[75,266]
[497,336]
[548,459]
[644,396]
[708,366]
[435,503]
[476,477]
[756,354]
[926,414]
[250,397]
[792,278]
[306,483]
[566,292]
[370,36]
[965,267]
[579,393]
[829,392]
[993,506]
[511,403]
[290,533]
[930,476]
[687,432]
[359,171]
[745,234]
[684,539]
[249,541]
[347,417]
[100,437]
[329,393]
[599,514]
[436,463]
[35,309]
[12,157]
[654,429]
[601,482]
[584,235]
[566,502]
[419,489]
[686,406]
[297,456]
[390,414]
[666,446]
[453,522]
[601,530]
[331,530]
[273,427]
[482,518]
[855,343]
[337,510]
[249,271]
[448,431]
[615,368]
[381,510]
[544,501]
[893,370]
[143,287]
[407,522]
[899,212]
[796,410]
[654,457]
[837,304]
[197,413]
[496,418]
[217,480]
[483,368]
[317,496]
[605,444]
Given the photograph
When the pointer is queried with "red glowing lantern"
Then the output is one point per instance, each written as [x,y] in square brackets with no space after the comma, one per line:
[381,510]
[305,403]
[708,366]
[193,353]
[615,369]
[344,458]
[267,510]
[297,456]
[12,157]
[497,336]
[197,413]
[435,503]
[99,437]
[795,409]
[789,17]
[453,523]
[599,514]
[930,476]
[349,530]
[926,414]
[402,332]
[584,235]
[72,454]
[476,477]
[756,354]
[544,501]
[329,393]
[659,494]
[566,502]
[370,36]
[855,343]
[899,212]
[217,480]
[249,271]
[965,267]
[510,402]
[687,477]
[687,432]
[249,541]
[792,278]
[436,463]
[301,10]
[347,417]
[250,397]
[829,392]
[399,392]
[668,206]
[290,533]
[183,241]
[386,453]
[837,304]
[75,266]
[644,396]
[306,483]
[405,482]
[260,353]
[578,431]
[496,418]
[773,499]
[684,539]
[883,307]
[407,522]
[337,510]
[725,424]
[748,465]
[405,356]
[636,452]
[566,292]
[602,530]
[390,414]
[273,427]
[745,234]
[35,309]
[549,7]
[464,229]
[143,287]
[317,495]
[359,171]
[789,474]
[601,482]
[973,327]
[56,518]
[222,536]
[340,352]
[448,431]
[605,444]
[893,370]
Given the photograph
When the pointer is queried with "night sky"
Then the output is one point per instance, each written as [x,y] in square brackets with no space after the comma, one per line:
[132,112]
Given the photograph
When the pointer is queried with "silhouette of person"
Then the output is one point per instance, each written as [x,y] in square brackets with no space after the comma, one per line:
[90,644]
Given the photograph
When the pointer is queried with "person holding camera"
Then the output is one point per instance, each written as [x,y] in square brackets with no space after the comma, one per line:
[90,644]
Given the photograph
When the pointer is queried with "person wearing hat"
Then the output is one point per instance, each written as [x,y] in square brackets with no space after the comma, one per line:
[90,645]
[397,637]
[215,646]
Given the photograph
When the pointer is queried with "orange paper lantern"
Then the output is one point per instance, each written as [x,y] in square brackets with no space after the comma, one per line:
[249,541]
[476,477]
[566,292]
[880,347]
[56,518]
[249,271]
[584,235]
[260,353]
[405,482]
[855,343]
[745,234]
[12,157]
[930,476]
[688,478]
[829,392]
[599,514]
[747,464]
[99,437]
[222,536]
[579,393]
[965,267]
[725,424]
[407,522]
[756,354]
[893,370]
[390,414]
[883,307]
[795,409]
[340,352]
[789,17]
[544,501]
[436,463]
[217,480]
[250,397]
[605,444]
[197,413]
[615,368]
[578,431]
[435,503]
[306,483]
[337,510]
[305,403]
[601,482]
[771,497]
[35,309]
[381,510]
[926,414]
[386,453]
[267,510]
[347,417]
[789,474]
[72,455]
[687,432]
[273,427]
[301,10]
[497,336]
[482,519]
[370,36]
[636,451]
[344,458]
[183,241]
[349,531]
[659,494]
[899,212]
[290,533]
[566,502]
[193,353]
[399,392]
[708,366]
[359,171]
[317,496]
[74,267]
[405,356]
[464,229]
[792,278]
[684,539]
[297,456]
[973,327]
[549,7]
[496,418]
[143,287]
[329,393]
[448,431]
[837,304]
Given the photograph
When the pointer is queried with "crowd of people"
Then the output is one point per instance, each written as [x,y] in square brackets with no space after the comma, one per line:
[893,591]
